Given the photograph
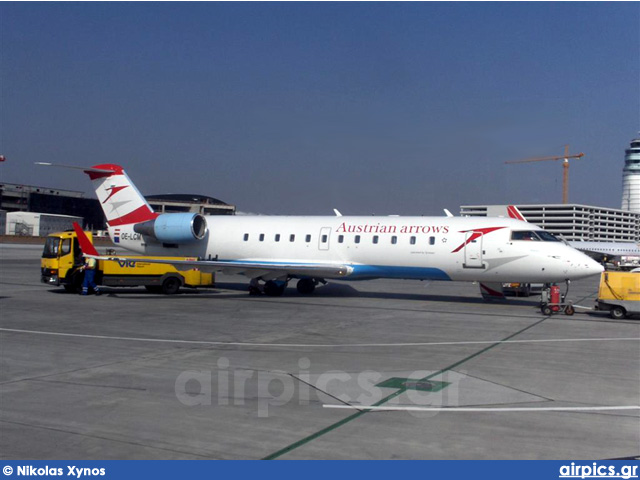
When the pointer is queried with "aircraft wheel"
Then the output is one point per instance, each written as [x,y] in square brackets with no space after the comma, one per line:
[171,285]
[618,313]
[306,286]
[273,289]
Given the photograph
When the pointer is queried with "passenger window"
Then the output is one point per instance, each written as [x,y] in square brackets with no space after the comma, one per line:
[375,239]
[432,240]
[324,239]
[277,237]
[292,238]
[412,240]
[262,237]
[394,240]
[357,239]
[340,238]
[246,237]
[307,238]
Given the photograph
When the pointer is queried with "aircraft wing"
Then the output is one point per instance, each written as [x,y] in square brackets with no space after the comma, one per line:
[250,268]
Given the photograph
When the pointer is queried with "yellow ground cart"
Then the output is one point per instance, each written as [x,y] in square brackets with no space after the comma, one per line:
[619,294]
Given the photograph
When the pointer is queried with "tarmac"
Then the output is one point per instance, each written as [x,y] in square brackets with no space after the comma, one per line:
[384,369]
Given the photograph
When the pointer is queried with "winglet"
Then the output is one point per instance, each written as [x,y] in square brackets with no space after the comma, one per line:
[85,244]
[338,214]
[448,213]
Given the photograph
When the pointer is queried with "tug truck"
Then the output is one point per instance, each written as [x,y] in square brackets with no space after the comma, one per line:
[62,259]
[619,294]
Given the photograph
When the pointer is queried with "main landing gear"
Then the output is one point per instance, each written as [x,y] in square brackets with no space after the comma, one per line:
[275,288]
[272,288]
[306,286]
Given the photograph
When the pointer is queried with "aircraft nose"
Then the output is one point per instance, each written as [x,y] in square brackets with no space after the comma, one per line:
[595,268]
[587,266]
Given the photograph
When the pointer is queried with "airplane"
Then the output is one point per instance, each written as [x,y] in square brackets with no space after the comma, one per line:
[607,250]
[273,250]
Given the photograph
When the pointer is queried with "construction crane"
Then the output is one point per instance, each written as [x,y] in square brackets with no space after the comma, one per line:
[565,168]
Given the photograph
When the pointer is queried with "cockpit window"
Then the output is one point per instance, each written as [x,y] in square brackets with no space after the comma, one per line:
[535,236]
[525,235]
[546,236]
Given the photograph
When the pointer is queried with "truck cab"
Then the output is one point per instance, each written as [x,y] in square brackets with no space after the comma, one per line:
[61,259]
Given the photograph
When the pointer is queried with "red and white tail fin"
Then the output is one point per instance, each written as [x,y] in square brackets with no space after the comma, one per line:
[119,198]
[121,201]
[513,212]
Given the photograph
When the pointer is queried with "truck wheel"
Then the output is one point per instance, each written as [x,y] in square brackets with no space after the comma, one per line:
[618,313]
[74,282]
[171,285]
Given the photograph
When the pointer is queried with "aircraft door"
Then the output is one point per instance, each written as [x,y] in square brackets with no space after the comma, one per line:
[473,251]
[325,237]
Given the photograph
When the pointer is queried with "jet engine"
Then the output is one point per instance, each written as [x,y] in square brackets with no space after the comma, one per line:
[177,228]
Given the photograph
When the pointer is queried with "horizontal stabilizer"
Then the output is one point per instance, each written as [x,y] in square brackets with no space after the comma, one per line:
[75,167]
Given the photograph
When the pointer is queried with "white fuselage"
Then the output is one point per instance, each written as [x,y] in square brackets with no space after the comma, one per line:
[433,248]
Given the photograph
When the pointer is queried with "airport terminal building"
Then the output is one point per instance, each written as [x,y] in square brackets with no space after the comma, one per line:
[56,202]
[572,221]
[176,202]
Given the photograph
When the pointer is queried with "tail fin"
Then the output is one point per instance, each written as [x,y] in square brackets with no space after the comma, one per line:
[121,201]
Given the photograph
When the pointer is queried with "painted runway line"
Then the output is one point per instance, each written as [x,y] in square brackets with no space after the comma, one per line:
[408,408]
[317,345]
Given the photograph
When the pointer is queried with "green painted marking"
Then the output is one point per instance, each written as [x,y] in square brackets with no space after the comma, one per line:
[359,413]
[413,384]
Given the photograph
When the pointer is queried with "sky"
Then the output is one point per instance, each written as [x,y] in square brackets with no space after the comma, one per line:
[299,108]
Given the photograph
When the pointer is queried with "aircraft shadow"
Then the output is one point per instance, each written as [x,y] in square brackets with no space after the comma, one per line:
[333,290]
